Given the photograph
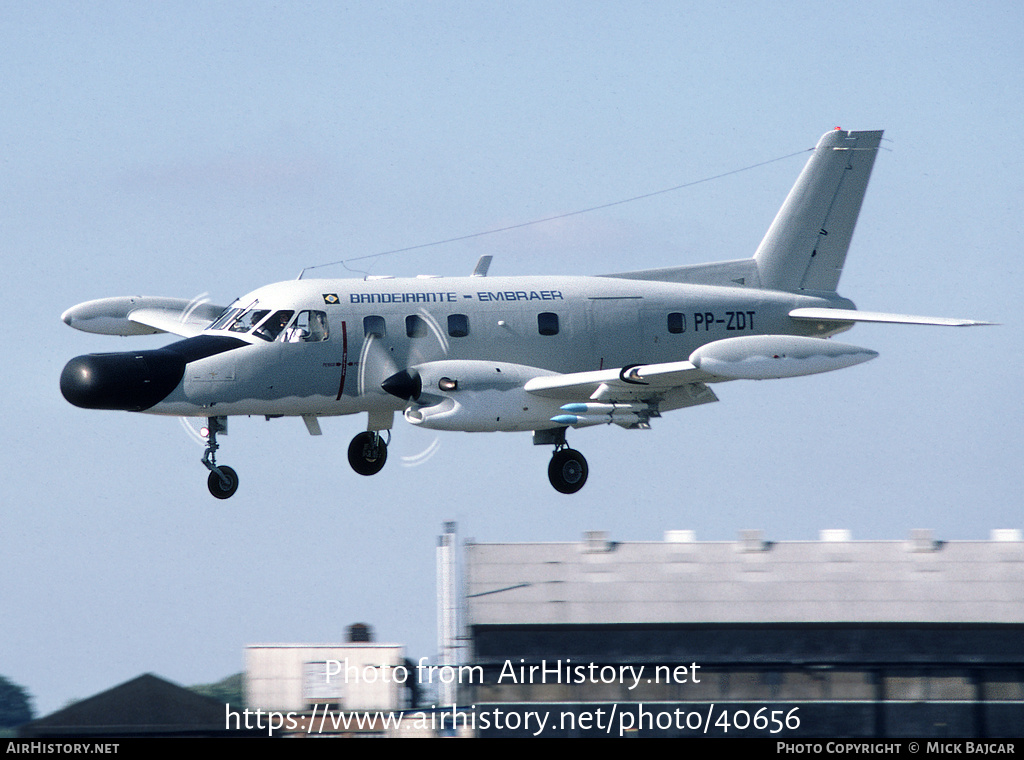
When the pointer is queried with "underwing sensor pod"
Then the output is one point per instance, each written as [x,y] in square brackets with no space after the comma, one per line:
[511,354]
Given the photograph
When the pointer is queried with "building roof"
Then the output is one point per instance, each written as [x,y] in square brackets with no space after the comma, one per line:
[751,580]
[144,706]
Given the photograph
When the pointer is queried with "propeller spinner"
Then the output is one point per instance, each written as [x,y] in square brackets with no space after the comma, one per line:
[406,385]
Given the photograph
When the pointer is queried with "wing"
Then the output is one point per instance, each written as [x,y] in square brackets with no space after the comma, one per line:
[142,315]
[666,386]
[633,394]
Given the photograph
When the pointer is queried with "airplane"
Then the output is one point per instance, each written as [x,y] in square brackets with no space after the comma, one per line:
[523,354]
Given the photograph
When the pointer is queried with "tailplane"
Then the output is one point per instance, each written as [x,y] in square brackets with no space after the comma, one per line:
[806,246]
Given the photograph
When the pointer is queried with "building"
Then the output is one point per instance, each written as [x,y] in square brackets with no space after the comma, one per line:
[356,688]
[835,637]
[145,707]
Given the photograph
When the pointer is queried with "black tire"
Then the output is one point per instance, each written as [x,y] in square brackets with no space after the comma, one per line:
[367,453]
[567,471]
[216,485]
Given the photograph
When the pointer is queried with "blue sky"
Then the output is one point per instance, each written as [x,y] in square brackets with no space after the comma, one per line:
[185,148]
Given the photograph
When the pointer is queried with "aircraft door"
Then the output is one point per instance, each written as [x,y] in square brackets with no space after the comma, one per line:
[665,333]
[309,356]
[615,331]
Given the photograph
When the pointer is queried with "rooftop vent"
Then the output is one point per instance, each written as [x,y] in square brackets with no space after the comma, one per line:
[596,541]
[922,540]
[680,536]
[752,541]
[360,633]
[835,534]
[1006,534]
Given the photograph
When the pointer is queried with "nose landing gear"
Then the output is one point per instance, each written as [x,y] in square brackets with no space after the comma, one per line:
[223,481]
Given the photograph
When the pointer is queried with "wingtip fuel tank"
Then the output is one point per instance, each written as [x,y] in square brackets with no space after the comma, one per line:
[768,357]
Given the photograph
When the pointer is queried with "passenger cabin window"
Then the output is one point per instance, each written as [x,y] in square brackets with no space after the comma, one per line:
[415,326]
[308,327]
[547,323]
[270,329]
[458,325]
[248,320]
[374,327]
[676,322]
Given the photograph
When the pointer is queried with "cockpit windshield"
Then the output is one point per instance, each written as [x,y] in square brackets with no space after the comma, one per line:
[248,320]
[225,317]
[307,327]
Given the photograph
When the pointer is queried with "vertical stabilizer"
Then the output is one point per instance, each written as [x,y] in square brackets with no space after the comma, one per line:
[805,247]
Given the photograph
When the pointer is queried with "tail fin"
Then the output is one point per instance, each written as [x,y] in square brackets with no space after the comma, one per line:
[805,247]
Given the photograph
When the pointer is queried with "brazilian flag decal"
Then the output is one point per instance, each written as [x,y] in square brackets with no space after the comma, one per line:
[331,298]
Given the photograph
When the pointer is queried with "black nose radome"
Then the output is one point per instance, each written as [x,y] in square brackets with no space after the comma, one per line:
[133,380]
[136,380]
[406,384]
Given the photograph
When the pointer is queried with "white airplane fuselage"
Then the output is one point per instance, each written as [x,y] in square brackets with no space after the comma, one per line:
[601,323]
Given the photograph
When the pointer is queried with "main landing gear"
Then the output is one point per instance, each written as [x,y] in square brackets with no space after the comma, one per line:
[223,481]
[368,452]
[567,470]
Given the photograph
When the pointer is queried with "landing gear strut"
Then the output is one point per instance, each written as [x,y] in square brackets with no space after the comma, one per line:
[567,470]
[368,452]
[223,481]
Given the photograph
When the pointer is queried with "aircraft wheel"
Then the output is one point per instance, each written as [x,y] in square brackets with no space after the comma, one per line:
[567,471]
[367,453]
[217,486]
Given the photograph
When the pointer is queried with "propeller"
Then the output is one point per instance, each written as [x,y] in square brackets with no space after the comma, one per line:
[186,422]
[193,433]
[375,365]
[384,367]
[194,304]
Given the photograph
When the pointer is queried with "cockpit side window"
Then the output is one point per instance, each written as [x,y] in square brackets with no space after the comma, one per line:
[225,317]
[248,320]
[308,327]
[273,326]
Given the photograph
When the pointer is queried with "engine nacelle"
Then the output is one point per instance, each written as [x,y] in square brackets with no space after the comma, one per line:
[767,357]
[472,396]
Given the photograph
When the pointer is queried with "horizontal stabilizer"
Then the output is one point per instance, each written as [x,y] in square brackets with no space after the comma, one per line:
[853,315]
